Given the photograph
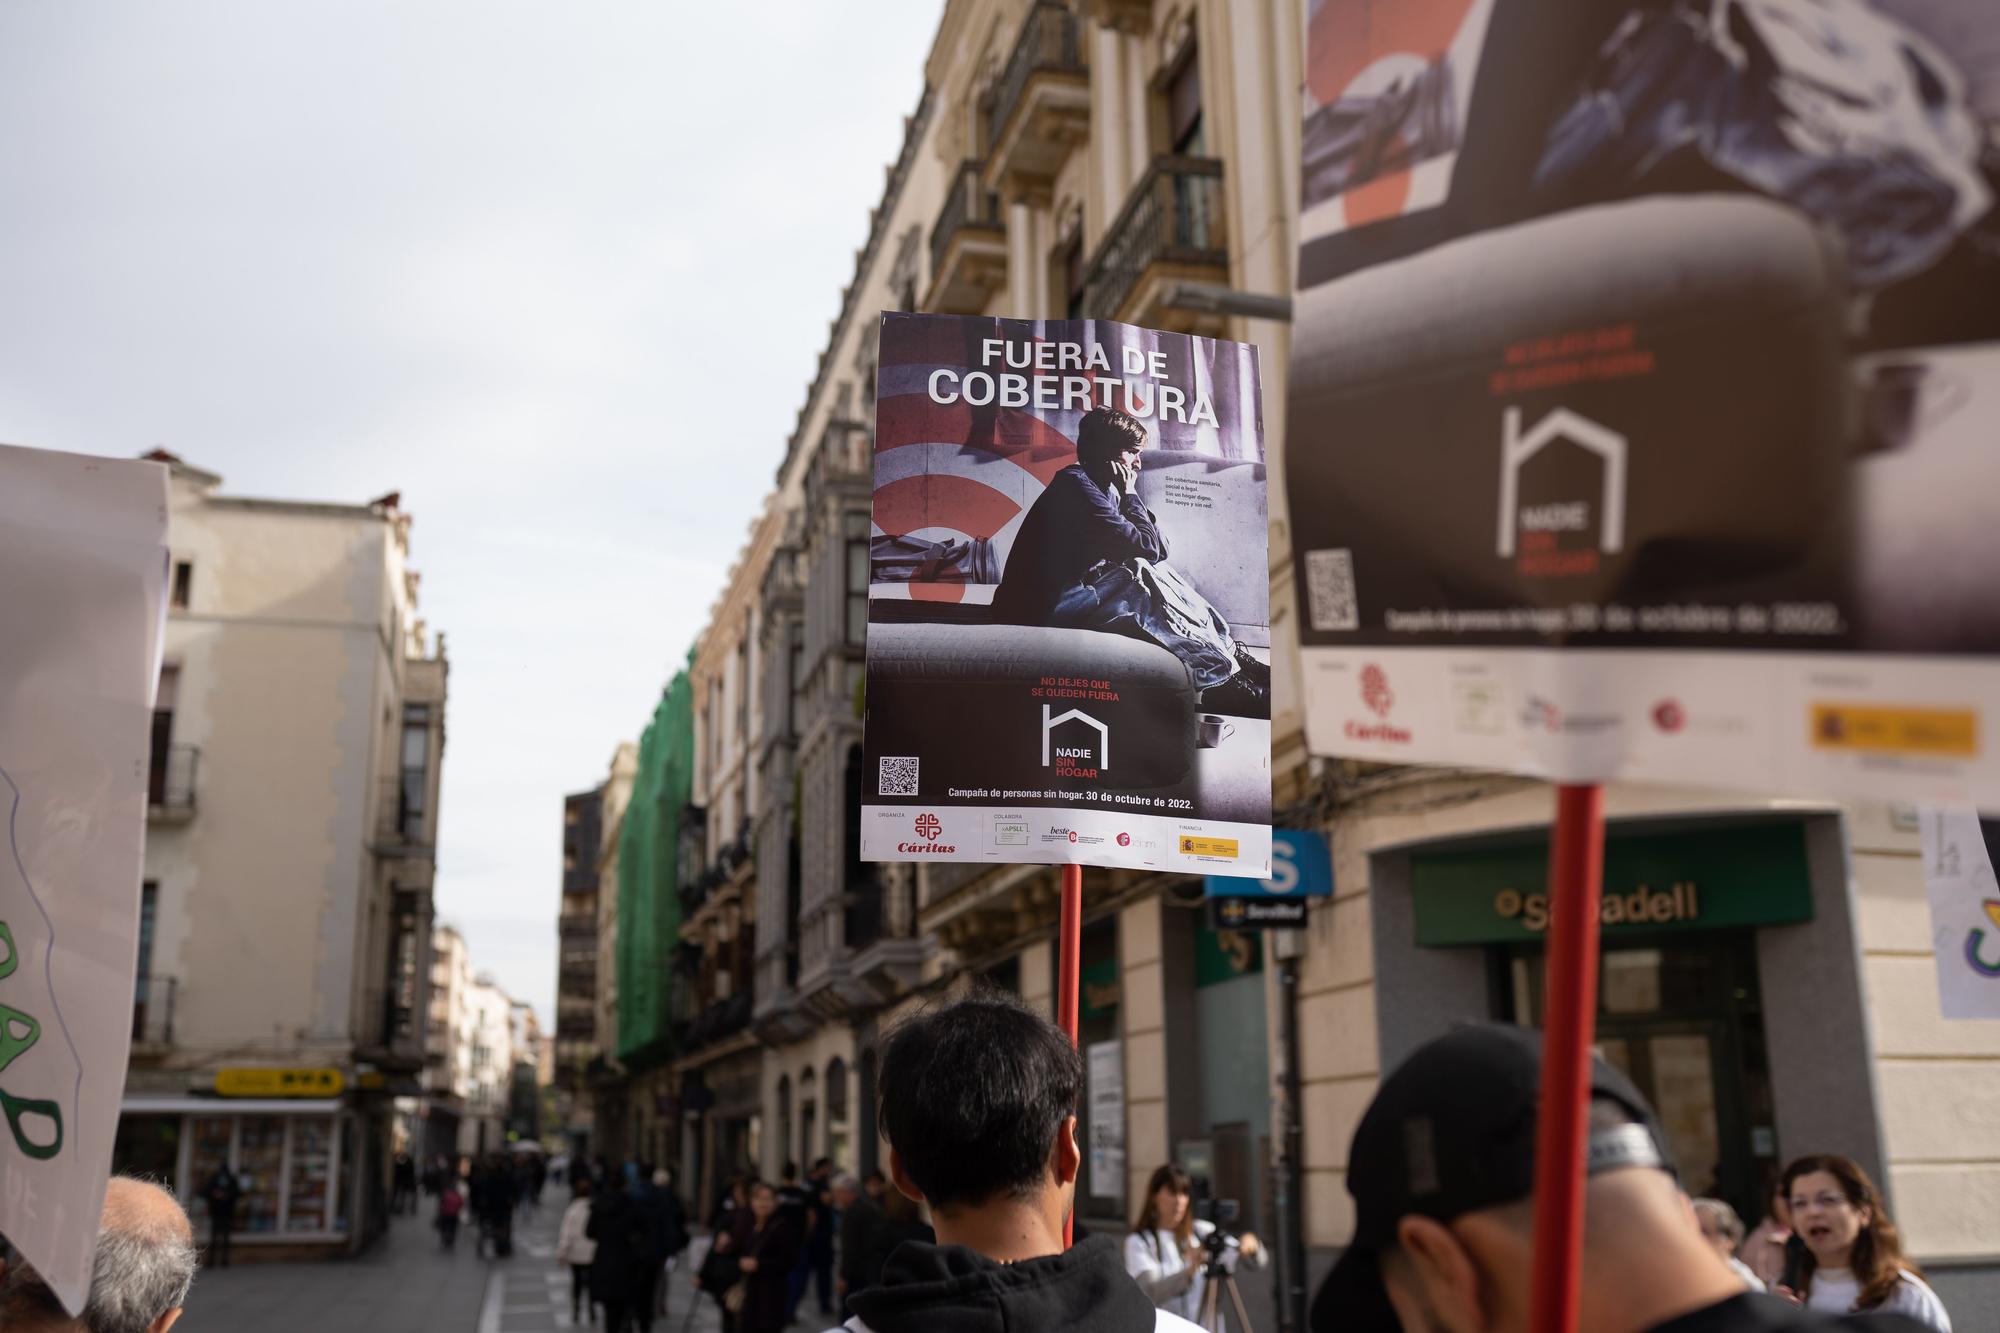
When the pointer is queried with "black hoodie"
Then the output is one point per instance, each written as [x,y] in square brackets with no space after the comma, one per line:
[951,1289]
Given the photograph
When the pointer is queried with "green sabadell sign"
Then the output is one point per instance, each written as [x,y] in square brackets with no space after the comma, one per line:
[1702,879]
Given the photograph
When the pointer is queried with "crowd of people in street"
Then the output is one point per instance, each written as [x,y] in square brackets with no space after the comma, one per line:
[621,1233]
[978,1101]
[491,1189]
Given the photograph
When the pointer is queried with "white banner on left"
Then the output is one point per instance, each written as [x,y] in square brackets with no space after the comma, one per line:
[83,562]
[1965,911]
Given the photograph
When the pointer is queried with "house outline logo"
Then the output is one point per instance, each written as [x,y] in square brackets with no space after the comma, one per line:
[1561,424]
[1049,724]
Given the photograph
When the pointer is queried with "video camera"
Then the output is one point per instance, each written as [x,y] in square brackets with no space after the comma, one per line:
[1224,1214]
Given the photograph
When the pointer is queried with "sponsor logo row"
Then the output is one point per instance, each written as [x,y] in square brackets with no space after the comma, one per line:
[927,837]
[1479,707]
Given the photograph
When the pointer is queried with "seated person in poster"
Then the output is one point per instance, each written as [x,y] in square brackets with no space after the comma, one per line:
[1091,556]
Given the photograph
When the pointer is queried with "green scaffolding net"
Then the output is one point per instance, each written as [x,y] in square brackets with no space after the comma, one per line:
[648,886]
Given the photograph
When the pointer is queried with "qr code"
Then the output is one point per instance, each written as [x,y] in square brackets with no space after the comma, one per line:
[1330,589]
[898,777]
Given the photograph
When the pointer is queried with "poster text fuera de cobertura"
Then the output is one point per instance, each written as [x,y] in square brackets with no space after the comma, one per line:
[1032,378]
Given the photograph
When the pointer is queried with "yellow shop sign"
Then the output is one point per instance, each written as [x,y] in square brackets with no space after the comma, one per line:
[260,1082]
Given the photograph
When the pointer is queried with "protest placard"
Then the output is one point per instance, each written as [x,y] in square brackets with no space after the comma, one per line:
[83,544]
[1069,605]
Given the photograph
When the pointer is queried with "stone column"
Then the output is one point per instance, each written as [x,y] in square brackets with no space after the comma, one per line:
[1142,1009]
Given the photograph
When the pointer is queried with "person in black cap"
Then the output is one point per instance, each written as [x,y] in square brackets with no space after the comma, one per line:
[1442,1172]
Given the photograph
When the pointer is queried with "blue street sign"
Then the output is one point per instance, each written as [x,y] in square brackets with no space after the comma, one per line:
[1301,867]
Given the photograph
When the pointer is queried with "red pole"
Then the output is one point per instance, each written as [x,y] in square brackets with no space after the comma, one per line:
[1576,887]
[1069,974]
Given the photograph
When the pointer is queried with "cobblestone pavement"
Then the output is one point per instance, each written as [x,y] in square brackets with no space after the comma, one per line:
[407,1283]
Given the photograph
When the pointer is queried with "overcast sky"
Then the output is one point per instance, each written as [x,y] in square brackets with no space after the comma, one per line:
[558,273]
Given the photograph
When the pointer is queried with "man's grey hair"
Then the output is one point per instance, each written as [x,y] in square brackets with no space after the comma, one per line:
[1723,1216]
[138,1275]
[846,1181]
[136,1278]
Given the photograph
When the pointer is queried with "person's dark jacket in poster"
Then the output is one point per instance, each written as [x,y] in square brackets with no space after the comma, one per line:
[1073,525]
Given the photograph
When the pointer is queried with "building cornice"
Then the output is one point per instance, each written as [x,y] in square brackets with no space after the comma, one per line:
[864,260]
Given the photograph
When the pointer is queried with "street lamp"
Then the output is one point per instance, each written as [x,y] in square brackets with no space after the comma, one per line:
[1212,298]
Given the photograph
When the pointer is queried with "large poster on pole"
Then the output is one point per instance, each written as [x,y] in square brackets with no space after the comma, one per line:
[1069,598]
[83,564]
[1655,438]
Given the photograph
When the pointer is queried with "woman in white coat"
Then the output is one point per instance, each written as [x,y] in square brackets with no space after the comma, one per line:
[1166,1252]
[575,1248]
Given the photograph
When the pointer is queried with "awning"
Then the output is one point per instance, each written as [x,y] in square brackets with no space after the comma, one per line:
[230,1105]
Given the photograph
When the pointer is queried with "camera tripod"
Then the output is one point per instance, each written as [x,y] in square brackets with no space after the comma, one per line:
[1216,1278]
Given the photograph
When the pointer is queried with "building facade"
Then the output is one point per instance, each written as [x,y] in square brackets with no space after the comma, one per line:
[1138,160]
[284,947]
[574,1041]
[604,1086]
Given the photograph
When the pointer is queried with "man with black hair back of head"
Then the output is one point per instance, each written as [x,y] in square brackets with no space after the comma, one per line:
[1442,1173]
[139,1279]
[978,1101]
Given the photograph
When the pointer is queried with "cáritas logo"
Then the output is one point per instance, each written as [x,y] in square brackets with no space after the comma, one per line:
[1375,693]
[1375,690]
[930,828]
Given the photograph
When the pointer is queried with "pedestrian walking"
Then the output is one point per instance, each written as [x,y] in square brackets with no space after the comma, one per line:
[221,1193]
[1442,1171]
[731,1224]
[768,1257]
[404,1196]
[859,1216]
[819,1240]
[450,1207]
[1855,1258]
[575,1248]
[624,1259]
[795,1204]
[978,1102]
[670,1222]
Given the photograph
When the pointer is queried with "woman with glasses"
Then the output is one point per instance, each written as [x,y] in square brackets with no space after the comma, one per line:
[1854,1257]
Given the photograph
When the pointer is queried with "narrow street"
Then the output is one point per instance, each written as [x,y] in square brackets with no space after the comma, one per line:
[408,1284]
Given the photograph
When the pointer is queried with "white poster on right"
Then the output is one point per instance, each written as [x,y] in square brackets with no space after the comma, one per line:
[1959,856]
[1656,444]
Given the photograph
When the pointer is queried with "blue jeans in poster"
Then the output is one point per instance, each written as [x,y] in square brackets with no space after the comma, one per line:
[1146,600]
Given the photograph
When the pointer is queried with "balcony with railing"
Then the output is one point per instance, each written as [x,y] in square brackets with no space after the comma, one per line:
[1038,110]
[1173,229]
[968,246]
[390,1036]
[724,1018]
[153,1013]
[854,954]
[170,784]
[399,818]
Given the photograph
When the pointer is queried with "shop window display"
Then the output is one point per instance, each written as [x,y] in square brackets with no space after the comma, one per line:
[260,1156]
[211,1149]
[311,1181]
